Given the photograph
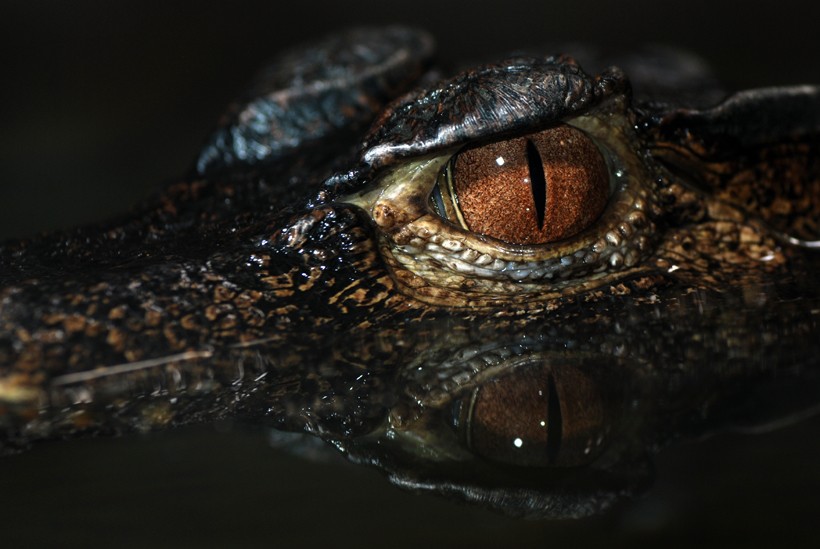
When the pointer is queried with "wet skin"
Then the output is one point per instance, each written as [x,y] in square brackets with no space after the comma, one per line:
[303,277]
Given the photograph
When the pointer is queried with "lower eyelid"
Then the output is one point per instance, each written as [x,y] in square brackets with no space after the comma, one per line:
[436,259]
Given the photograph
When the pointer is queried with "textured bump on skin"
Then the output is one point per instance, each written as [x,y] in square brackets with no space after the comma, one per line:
[518,95]
[305,95]
[493,184]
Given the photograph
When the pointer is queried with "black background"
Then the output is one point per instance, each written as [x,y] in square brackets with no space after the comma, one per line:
[103,100]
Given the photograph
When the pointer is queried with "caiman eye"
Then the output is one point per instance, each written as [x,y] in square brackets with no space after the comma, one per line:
[523,219]
[541,188]
[538,416]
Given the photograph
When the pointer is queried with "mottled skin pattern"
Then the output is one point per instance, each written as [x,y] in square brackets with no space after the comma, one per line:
[280,282]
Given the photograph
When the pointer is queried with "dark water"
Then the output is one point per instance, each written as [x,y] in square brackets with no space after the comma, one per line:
[207,488]
[104,102]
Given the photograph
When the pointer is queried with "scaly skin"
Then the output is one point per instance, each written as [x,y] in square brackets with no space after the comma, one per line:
[299,277]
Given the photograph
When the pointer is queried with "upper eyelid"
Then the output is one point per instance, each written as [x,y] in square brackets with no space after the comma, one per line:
[521,96]
[442,263]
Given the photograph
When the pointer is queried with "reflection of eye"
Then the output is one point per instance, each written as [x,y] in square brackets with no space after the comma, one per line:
[537,416]
[535,189]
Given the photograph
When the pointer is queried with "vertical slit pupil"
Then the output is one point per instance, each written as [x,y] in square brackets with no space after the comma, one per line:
[538,182]
[554,422]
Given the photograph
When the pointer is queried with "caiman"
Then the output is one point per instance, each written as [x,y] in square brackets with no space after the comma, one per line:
[509,285]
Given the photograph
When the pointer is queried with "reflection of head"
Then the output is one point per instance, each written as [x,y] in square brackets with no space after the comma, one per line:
[528,431]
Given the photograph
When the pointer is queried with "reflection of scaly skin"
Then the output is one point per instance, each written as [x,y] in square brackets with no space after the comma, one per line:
[265,287]
[715,361]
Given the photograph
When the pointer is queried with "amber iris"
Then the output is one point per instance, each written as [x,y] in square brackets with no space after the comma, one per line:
[535,189]
[539,416]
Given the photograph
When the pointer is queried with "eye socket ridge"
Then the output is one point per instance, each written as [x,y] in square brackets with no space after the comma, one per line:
[536,189]
[438,259]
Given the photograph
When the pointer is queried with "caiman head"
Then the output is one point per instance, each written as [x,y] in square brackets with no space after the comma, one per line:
[514,283]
